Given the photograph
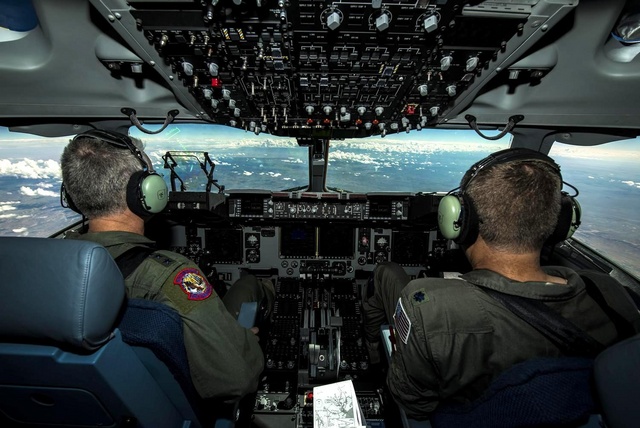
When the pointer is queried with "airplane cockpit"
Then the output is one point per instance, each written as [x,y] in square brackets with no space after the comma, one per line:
[307,142]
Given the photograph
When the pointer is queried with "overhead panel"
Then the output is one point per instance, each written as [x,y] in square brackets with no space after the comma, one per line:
[330,69]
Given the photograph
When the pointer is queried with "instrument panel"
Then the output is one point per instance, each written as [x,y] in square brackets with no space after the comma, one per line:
[319,250]
[293,235]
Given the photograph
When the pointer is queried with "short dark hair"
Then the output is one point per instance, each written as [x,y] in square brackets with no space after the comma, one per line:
[96,174]
[518,204]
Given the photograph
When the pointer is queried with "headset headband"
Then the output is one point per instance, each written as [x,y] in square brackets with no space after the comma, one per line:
[120,141]
[504,156]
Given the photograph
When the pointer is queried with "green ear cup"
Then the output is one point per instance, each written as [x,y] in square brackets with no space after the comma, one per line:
[154,193]
[449,216]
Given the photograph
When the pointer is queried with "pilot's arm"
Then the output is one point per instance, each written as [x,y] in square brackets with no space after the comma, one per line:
[225,359]
[413,378]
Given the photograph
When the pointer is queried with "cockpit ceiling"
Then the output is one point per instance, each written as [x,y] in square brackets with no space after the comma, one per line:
[323,69]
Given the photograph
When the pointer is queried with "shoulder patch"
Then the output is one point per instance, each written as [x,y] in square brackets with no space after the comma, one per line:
[193,284]
[402,321]
[419,296]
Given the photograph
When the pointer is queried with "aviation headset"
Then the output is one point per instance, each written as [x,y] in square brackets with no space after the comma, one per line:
[457,216]
[147,192]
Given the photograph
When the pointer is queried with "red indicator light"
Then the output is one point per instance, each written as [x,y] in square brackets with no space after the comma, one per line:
[411,109]
[216,83]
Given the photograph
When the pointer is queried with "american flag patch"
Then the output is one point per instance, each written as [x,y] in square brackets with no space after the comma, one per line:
[403,324]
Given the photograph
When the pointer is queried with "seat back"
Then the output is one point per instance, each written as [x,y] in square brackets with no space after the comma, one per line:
[62,360]
[539,392]
[617,376]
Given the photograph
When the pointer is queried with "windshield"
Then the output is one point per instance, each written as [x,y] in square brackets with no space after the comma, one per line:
[608,179]
[607,176]
[427,161]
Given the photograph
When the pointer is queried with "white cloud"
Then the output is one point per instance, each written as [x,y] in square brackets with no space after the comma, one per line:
[29,168]
[247,173]
[8,215]
[28,191]
[21,230]
[7,208]
[9,203]
[44,185]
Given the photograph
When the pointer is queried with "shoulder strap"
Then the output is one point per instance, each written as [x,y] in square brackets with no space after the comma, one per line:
[129,261]
[612,298]
[569,338]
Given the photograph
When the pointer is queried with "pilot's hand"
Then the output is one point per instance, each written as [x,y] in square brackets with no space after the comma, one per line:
[255,331]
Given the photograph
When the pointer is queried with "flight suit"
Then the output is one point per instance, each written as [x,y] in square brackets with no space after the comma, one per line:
[453,339]
[225,359]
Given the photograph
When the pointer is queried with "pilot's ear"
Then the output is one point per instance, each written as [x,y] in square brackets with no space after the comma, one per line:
[66,201]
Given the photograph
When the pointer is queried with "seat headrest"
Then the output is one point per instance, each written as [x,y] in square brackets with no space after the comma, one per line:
[66,291]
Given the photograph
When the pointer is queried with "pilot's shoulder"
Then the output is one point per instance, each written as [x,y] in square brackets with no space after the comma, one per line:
[169,258]
[183,283]
[452,286]
[446,300]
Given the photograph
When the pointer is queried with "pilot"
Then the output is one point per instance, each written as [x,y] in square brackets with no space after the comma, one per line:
[452,337]
[110,180]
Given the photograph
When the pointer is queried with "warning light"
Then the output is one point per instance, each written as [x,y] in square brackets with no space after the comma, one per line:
[411,109]
[216,82]
[327,121]
[310,121]
[376,121]
[358,122]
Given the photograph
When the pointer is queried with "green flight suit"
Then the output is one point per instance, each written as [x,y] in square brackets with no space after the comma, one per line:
[225,359]
[453,339]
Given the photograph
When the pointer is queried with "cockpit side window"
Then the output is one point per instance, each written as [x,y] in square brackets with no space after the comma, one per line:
[608,179]
[30,185]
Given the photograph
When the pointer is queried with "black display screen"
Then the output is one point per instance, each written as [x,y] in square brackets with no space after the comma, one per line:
[224,245]
[380,209]
[336,241]
[252,206]
[297,240]
[410,248]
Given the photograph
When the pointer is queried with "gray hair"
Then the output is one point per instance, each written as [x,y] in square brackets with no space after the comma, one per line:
[96,174]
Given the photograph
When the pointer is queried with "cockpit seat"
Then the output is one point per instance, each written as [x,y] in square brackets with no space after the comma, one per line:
[73,352]
[617,378]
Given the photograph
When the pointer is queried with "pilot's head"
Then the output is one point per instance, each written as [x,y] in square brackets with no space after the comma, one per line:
[517,202]
[96,174]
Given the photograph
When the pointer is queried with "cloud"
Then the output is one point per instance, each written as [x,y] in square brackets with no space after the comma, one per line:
[8,215]
[28,191]
[29,168]
[247,173]
[21,230]
[632,184]
[7,208]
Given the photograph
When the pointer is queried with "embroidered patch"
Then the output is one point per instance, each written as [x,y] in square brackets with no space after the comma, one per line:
[193,284]
[402,321]
[419,296]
